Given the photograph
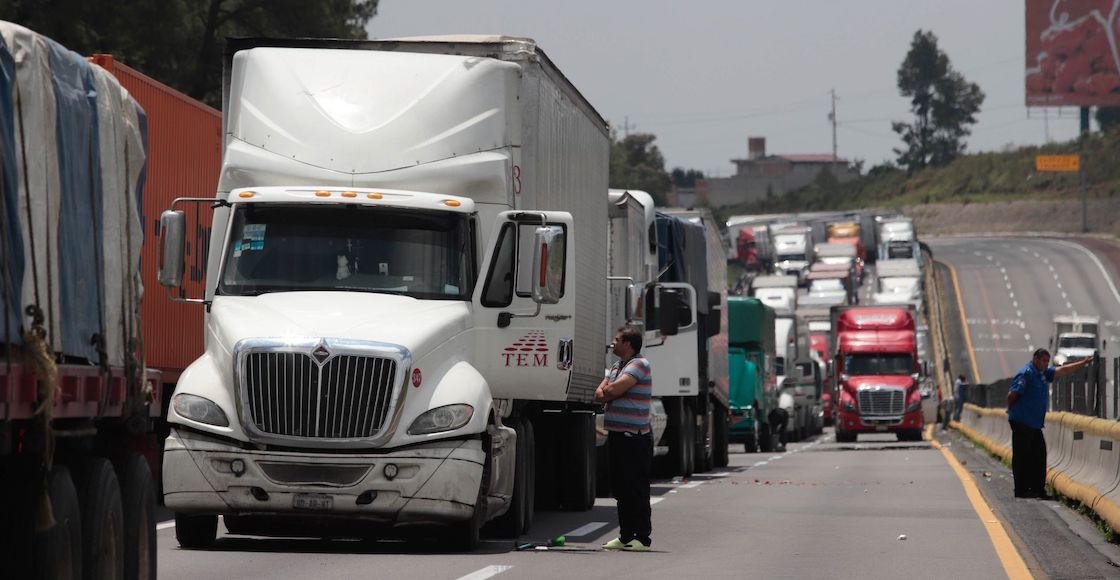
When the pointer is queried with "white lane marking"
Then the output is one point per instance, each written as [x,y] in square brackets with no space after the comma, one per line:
[760,463]
[165,525]
[1069,304]
[586,530]
[690,485]
[1064,295]
[721,474]
[1003,271]
[487,572]
[1051,268]
[656,500]
[1008,285]
[1027,336]
[1011,295]
[1097,261]
[1018,313]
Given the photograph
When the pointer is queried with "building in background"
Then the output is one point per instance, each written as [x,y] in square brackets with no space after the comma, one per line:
[760,176]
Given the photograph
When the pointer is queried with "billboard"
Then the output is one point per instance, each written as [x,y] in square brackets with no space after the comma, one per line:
[1073,53]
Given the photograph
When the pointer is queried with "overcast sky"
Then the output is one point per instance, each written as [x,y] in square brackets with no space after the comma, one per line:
[704,75]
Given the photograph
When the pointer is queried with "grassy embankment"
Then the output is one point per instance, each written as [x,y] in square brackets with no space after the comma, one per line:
[973,178]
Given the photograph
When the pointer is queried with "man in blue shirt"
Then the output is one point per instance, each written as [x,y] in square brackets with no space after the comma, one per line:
[1027,403]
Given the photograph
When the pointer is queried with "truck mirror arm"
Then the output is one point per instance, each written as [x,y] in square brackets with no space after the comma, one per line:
[504,318]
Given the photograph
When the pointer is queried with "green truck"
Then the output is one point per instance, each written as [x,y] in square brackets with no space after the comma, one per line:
[752,373]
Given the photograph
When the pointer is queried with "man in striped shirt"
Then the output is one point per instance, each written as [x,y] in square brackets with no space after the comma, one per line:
[627,390]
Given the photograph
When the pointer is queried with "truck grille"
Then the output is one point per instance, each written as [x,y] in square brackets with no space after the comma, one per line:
[881,402]
[290,394]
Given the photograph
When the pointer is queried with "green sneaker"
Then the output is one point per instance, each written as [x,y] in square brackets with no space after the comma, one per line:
[615,544]
[635,546]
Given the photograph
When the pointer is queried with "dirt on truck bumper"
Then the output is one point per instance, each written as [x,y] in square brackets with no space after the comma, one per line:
[430,483]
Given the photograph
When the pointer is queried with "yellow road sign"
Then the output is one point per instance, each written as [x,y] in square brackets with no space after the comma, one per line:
[1063,163]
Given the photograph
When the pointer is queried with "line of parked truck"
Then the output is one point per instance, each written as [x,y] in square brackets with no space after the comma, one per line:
[405,280]
[401,283]
[817,341]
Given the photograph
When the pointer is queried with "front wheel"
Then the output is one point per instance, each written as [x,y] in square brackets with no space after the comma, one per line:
[196,532]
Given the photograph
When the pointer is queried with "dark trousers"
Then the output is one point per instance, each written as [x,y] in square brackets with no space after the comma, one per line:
[630,459]
[1028,459]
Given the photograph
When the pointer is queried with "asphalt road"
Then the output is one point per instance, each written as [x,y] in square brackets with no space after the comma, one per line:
[819,510]
[1012,288]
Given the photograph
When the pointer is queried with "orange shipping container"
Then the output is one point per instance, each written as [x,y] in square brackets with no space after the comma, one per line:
[184,159]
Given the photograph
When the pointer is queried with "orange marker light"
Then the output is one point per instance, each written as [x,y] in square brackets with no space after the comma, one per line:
[451,203]
[375,196]
[323,193]
[246,194]
[349,194]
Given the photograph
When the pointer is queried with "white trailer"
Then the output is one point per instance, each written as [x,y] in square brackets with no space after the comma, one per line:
[397,331]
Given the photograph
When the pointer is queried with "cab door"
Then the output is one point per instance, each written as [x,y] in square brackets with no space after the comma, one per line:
[524,306]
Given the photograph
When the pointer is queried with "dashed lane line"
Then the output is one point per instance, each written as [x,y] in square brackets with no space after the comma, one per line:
[487,572]
[165,525]
[1097,261]
[586,530]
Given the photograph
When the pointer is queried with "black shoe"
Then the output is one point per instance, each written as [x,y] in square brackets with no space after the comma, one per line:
[1027,494]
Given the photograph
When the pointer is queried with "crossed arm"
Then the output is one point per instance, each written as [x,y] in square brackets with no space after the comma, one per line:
[609,391]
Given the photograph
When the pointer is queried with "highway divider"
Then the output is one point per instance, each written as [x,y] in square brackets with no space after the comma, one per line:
[1083,454]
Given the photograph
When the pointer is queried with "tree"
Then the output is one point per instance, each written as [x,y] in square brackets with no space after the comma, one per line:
[686,177]
[944,105]
[180,42]
[1108,118]
[636,163]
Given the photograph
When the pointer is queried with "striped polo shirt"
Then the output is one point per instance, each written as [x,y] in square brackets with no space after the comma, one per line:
[630,412]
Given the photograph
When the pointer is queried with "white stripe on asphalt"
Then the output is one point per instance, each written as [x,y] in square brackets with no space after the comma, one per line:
[720,474]
[1097,261]
[656,500]
[487,572]
[165,525]
[760,463]
[691,485]
[587,529]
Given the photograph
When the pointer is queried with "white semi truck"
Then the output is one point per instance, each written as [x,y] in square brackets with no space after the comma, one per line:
[1075,338]
[396,331]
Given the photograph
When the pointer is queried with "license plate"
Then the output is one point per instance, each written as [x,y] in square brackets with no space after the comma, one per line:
[312,501]
[880,427]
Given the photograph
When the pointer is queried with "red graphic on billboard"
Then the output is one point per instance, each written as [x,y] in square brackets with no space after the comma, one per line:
[1073,53]
[530,350]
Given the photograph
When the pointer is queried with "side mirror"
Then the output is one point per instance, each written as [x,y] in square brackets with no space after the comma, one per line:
[172,228]
[548,264]
[780,365]
[669,305]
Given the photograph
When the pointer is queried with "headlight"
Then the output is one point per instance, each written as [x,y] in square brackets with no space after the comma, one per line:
[446,418]
[914,406]
[199,409]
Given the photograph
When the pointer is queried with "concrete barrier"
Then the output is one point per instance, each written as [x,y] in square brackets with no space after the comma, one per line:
[1083,454]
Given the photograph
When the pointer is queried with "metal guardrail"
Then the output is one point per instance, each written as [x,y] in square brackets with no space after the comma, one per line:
[1085,392]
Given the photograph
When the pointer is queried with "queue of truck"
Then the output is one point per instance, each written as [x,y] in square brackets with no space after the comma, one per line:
[386,334]
[851,320]
[396,332]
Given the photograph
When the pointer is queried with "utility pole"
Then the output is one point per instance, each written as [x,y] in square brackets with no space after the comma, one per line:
[1081,150]
[832,119]
[626,126]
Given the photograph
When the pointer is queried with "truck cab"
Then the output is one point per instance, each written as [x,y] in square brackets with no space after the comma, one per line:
[1075,338]
[876,364]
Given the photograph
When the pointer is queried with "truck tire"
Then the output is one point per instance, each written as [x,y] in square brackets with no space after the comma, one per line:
[512,523]
[750,441]
[765,438]
[99,495]
[464,536]
[196,532]
[531,477]
[720,435]
[59,549]
[688,420]
[578,492]
[546,427]
[704,443]
[138,498]
[846,436]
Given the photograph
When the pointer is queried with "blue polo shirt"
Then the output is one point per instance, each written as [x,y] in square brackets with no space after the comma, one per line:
[1033,387]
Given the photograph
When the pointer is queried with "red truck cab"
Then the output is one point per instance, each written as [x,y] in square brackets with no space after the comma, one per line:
[876,365]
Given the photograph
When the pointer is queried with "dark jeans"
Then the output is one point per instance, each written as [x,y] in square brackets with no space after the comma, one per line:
[630,459]
[1028,459]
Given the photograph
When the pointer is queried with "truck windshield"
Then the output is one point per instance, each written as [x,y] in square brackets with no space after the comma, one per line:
[878,364]
[284,248]
[1076,342]
[791,257]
